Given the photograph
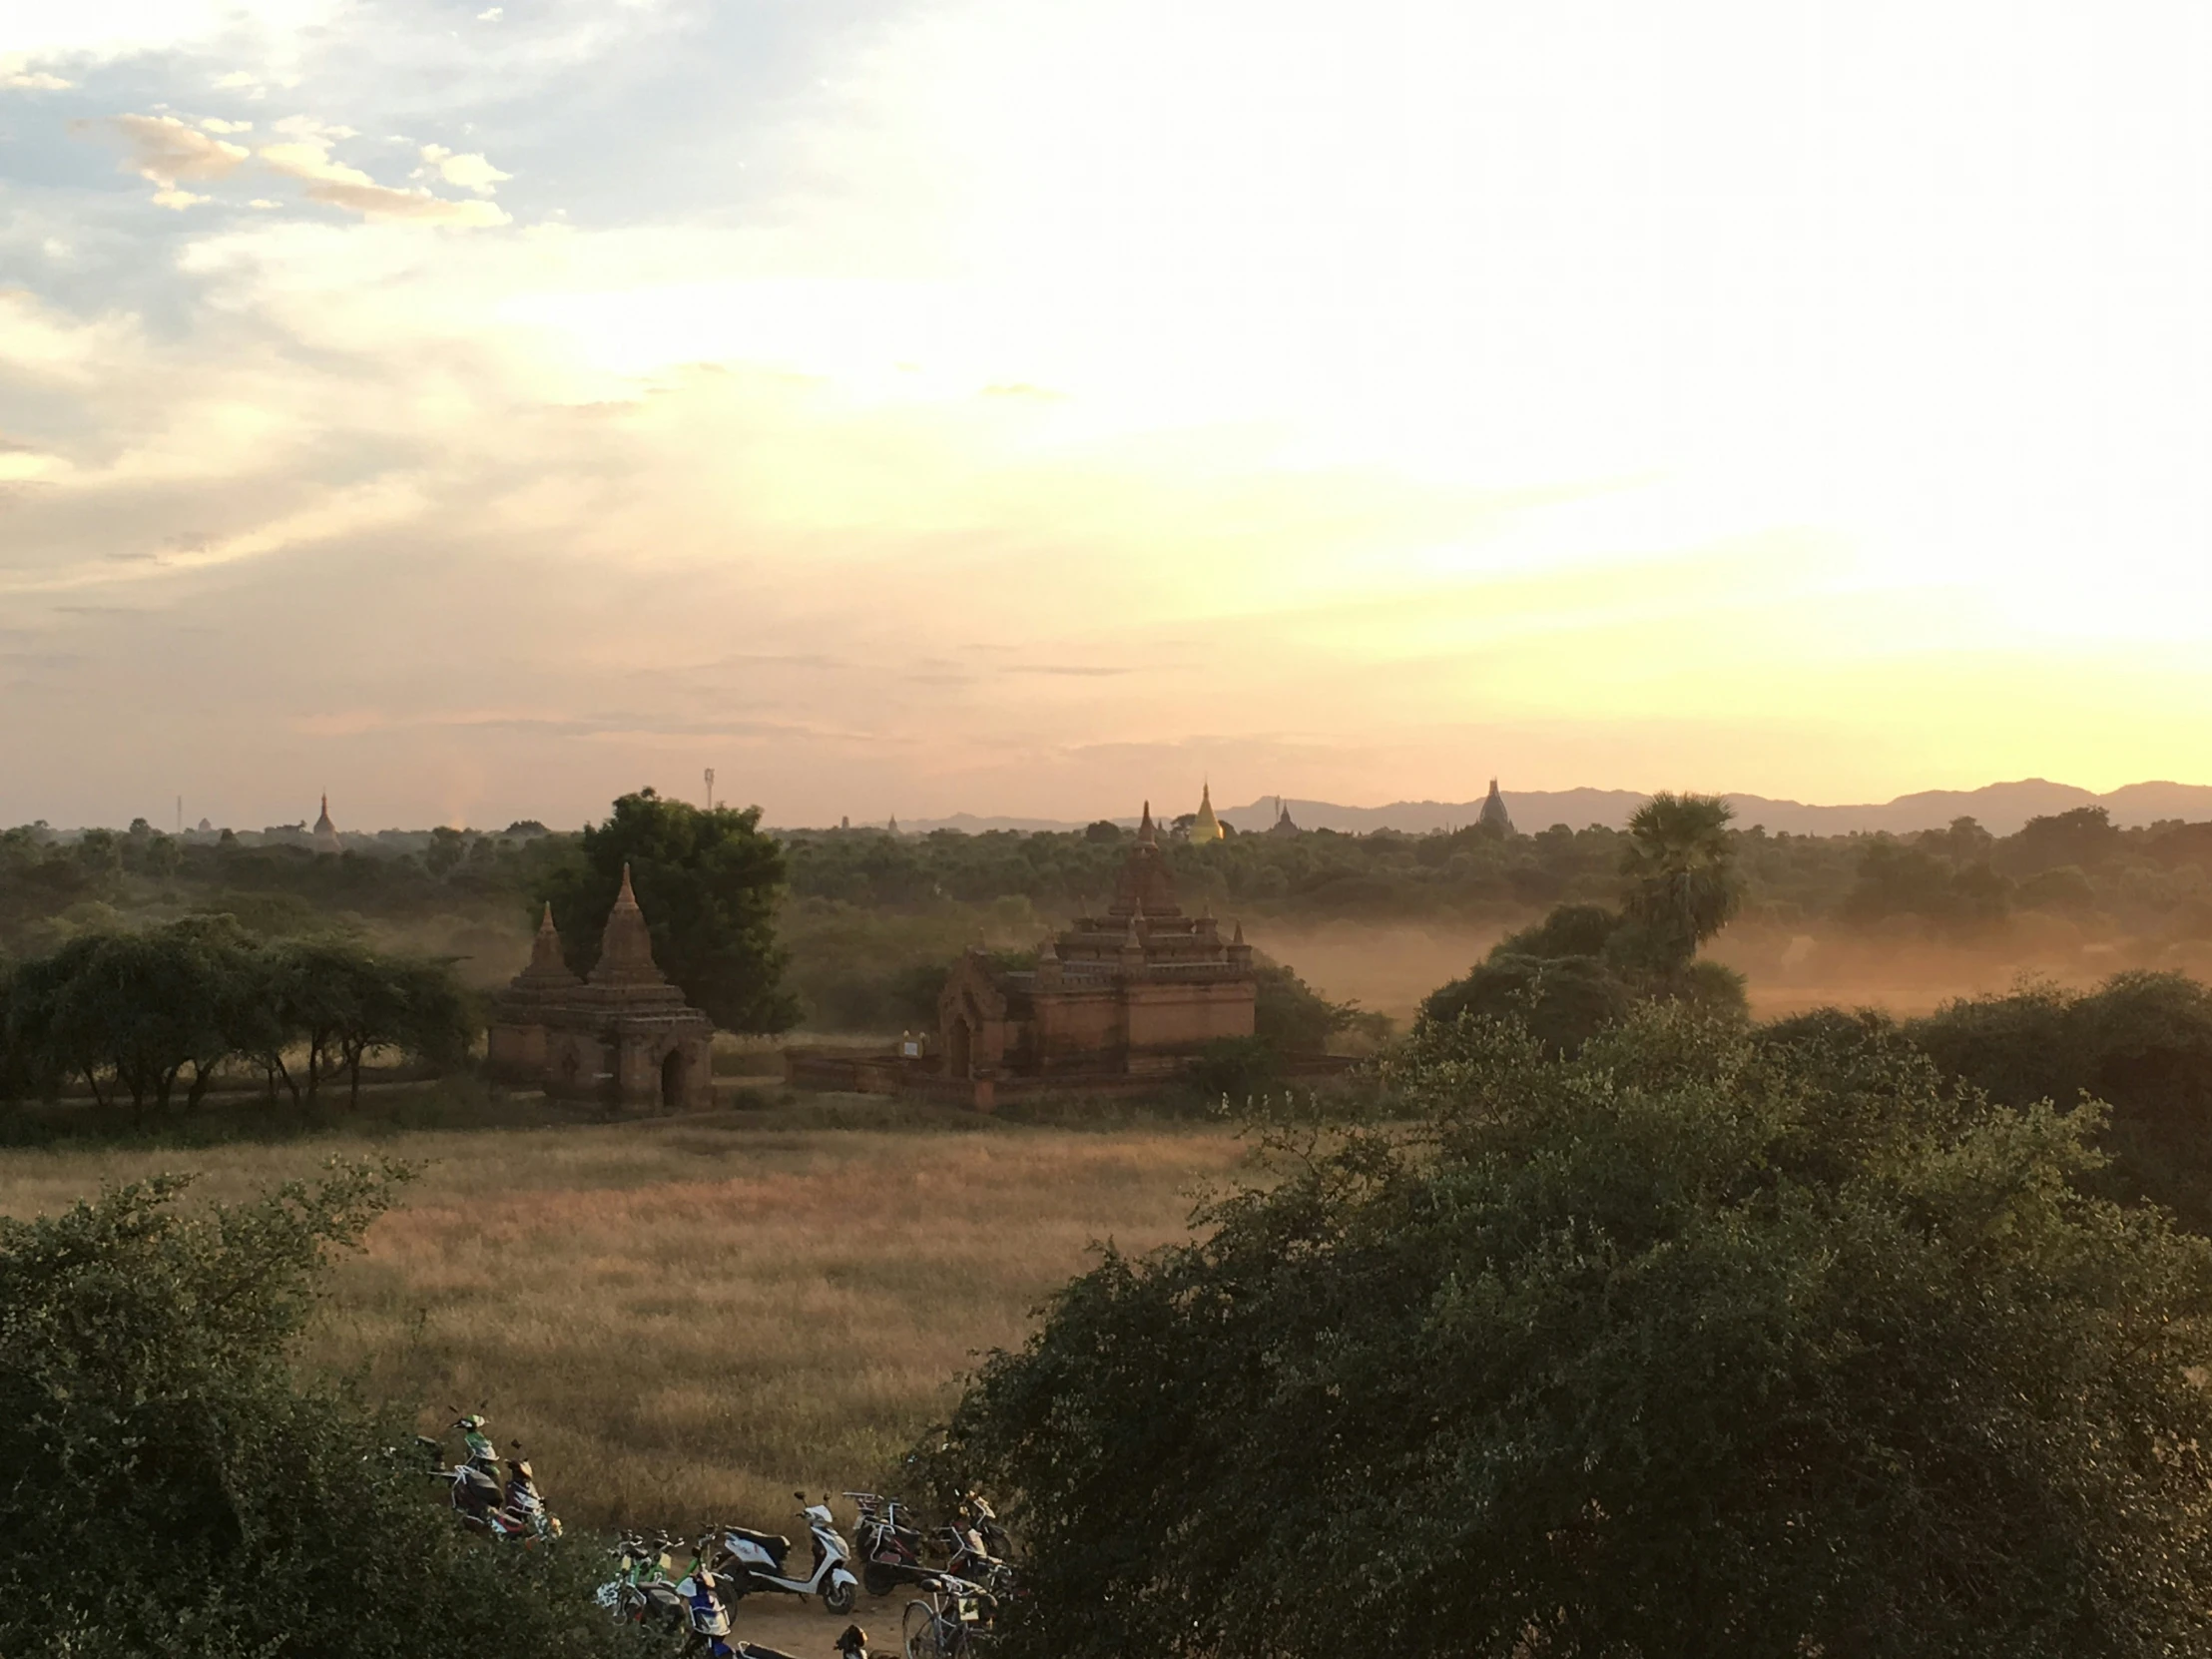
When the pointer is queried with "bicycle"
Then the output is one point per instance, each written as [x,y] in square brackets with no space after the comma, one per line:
[954,1623]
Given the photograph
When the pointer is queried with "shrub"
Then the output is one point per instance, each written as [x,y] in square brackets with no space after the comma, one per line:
[2141,1042]
[1697,1342]
[173,1490]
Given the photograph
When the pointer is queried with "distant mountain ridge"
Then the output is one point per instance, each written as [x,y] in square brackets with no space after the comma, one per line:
[2000,808]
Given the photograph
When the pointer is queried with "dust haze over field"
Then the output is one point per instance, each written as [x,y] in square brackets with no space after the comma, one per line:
[1390,966]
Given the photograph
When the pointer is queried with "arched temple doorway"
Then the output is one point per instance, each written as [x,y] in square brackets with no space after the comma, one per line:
[672,1078]
[960,1049]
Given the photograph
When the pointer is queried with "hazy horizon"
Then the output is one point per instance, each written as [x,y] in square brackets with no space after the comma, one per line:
[913,406]
[2018,800]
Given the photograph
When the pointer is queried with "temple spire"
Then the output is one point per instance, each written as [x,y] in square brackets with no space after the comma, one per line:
[626,947]
[1205,827]
[547,966]
[1145,830]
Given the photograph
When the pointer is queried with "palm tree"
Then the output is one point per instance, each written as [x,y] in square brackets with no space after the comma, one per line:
[1680,867]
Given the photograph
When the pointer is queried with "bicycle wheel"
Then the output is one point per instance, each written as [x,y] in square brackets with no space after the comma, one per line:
[924,1631]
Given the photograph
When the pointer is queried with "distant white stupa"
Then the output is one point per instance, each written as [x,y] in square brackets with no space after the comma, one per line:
[324,835]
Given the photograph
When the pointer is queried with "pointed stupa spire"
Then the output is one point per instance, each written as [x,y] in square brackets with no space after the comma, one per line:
[326,833]
[547,964]
[1145,832]
[1494,816]
[1237,939]
[547,946]
[626,947]
[1205,827]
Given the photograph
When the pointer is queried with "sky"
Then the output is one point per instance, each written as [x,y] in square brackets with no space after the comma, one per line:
[910,406]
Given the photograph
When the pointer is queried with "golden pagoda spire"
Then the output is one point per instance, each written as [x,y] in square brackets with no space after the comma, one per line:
[1205,827]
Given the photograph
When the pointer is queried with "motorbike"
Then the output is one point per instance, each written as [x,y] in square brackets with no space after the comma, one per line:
[644,1588]
[514,1510]
[889,1549]
[976,1508]
[755,1560]
[704,1612]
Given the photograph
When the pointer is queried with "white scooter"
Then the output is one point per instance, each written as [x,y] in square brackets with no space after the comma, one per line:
[755,1560]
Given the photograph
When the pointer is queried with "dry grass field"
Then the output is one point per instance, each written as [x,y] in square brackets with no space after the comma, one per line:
[686,1318]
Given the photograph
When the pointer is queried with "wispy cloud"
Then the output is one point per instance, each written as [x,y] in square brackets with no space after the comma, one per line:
[305,156]
[165,150]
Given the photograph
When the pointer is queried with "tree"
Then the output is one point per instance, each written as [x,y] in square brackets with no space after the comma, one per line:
[2141,1044]
[128,1013]
[173,1488]
[1691,1344]
[342,1003]
[707,883]
[1290,1017]
[1563,1000]
[1681,879]
[133,1014]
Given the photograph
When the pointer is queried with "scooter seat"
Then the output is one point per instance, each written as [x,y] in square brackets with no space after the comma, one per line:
[777,1545]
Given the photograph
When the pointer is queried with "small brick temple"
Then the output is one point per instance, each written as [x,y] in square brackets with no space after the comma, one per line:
[625,1035]
[1117,1001]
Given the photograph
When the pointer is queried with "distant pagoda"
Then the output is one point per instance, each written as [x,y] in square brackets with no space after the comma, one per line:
[1205,827]
[324,835]
[1282,825]
[1494,816]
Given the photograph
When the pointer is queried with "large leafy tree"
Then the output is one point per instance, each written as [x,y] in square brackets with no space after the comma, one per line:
[133,1014]
[172,1488]
[707,883]
[1693,1344]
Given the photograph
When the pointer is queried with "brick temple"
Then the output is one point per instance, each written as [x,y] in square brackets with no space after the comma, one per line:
[625,1035]
[1117,1001]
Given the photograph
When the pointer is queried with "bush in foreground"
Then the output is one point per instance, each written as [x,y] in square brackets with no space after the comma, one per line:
[171,1488]
[1694,1343]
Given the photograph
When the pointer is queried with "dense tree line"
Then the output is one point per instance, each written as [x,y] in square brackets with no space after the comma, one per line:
[152,1018]
[1958,878]
[850,929]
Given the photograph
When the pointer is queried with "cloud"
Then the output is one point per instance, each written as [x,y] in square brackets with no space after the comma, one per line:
[308,159]
[491,16]
[216,124]
[471,172]
[165,150]
[17,75]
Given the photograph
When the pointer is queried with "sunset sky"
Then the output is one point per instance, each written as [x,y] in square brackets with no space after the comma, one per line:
[921,406]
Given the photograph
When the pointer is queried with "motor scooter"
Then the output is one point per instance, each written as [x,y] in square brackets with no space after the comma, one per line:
[642,1590]
[702,1587]
[755,1560]
[976,1508]
[514,1512]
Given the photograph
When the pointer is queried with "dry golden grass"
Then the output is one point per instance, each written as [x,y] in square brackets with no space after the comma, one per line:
[684,1319]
